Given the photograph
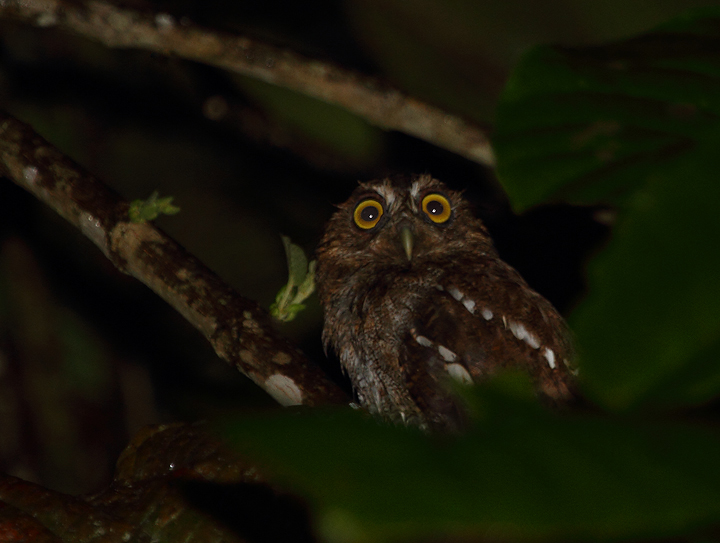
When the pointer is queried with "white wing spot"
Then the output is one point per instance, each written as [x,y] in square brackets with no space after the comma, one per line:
[486,313]
[518,330]
[447,354]
[422,340]
[459,373]
[469,304]
[550,357]
[283,389]
[455,293]
[532,340]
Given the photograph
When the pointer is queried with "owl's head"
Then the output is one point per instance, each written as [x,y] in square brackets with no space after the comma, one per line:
[402,223]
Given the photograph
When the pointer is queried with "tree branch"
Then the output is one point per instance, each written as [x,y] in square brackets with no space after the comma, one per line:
[238,329]
[366,97]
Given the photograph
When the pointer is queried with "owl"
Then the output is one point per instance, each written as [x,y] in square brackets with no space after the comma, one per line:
[414,295]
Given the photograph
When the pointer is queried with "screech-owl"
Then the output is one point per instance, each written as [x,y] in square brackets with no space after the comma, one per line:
[414,293]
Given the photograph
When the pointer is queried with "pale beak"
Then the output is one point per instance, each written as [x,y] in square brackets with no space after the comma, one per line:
[407,240]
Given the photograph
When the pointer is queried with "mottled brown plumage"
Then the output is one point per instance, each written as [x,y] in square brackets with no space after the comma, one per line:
[415,294]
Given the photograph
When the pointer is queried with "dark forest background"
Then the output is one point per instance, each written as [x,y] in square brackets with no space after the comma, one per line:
[87,355]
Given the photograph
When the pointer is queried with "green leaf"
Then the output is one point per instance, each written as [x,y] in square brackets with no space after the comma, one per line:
[651,319]
[307,286]
[300,285]
[635,124]
[149,210]
[521,473]
[297,262]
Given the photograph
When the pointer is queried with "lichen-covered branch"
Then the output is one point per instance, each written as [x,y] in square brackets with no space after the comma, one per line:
[366,97]
[238,329]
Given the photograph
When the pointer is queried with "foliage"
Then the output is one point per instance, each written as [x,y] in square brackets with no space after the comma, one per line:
[150,209]
[521,472]
[635,125]
[301,283]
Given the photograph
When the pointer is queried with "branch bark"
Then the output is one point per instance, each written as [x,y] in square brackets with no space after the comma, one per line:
[150,497]
[239,330]
[366,97]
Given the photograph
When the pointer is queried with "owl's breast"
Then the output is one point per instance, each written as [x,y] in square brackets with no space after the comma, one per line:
[379,335]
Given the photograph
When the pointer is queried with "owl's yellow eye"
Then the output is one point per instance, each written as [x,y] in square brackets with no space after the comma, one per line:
[436,207]
[368,213]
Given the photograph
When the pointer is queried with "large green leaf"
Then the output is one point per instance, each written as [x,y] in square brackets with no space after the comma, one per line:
[521,473]
[634,124]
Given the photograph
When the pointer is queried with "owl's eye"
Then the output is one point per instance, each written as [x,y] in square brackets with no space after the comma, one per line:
[368,213]
[436,207]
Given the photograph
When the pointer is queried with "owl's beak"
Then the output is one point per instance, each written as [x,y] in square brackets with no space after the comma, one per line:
[407,239]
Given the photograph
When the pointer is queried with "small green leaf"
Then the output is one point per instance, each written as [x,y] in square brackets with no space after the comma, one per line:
[300,285]
[293,310]
[307,287]
[281,295]
[148,210]
[297,262]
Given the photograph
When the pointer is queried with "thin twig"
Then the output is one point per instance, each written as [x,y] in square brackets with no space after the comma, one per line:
[379,104]
[238,329]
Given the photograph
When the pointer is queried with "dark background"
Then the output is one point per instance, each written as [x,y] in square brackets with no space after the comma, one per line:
[88,355]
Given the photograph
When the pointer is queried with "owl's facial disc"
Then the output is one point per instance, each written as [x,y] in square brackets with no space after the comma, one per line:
[415,223]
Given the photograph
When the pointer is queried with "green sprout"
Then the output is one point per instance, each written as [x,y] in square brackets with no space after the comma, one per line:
[148,210]
[300,285]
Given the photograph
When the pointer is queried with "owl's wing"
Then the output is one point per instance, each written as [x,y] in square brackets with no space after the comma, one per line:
[475,324]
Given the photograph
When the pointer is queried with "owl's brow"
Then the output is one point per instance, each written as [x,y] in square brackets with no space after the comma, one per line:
[415,189]
[387,193]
